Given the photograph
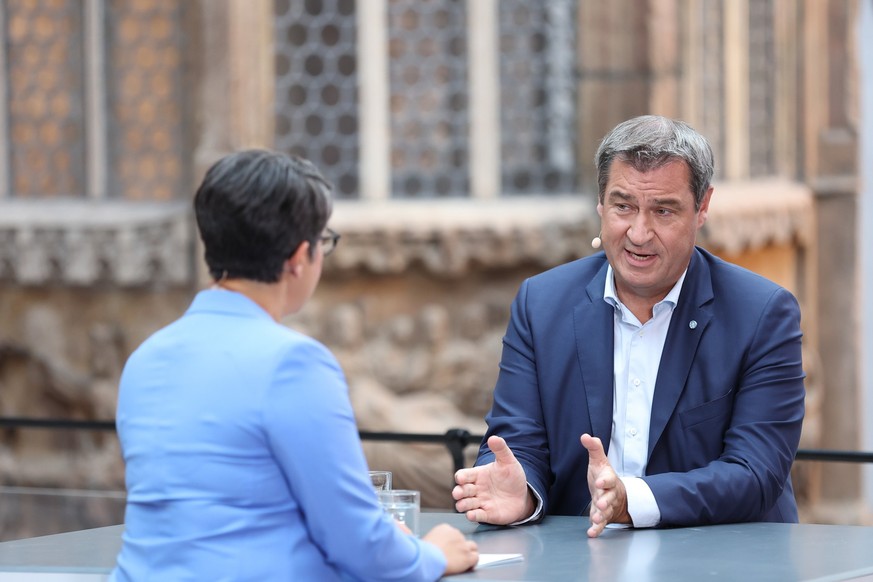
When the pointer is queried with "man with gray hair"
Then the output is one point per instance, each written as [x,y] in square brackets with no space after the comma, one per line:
[666,379]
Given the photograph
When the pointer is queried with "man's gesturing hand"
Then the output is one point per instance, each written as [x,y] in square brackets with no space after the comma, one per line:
[494,493]
[608,495]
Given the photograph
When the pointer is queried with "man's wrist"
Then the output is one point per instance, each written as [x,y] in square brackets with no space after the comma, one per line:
[533,507]
[530,505]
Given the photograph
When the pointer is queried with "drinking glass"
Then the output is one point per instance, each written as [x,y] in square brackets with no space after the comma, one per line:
[404,505]
[381,480]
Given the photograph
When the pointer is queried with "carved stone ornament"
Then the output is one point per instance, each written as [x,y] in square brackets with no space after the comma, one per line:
[79,243]
[453,237]
[750,215]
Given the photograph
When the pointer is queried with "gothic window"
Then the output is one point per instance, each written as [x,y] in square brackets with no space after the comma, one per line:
[92,99]
[432,129]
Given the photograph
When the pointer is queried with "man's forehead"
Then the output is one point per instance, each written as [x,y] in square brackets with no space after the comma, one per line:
[648,164]
[667,183]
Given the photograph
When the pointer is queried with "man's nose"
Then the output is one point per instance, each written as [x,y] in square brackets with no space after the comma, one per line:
[640,230]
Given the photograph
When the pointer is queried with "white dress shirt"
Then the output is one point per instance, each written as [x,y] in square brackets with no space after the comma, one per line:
[636,357]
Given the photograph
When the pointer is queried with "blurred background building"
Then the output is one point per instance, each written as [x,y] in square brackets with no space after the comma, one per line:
[459,135]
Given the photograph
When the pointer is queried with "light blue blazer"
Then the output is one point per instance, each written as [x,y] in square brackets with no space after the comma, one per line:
[243,460]
[728,402]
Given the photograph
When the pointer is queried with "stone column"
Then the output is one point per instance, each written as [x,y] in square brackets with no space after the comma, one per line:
[832,168]
[484,82]
[736,82]
[664,54]
[614,82]
[787,54]
[234,70]
[374,109]
[865,42]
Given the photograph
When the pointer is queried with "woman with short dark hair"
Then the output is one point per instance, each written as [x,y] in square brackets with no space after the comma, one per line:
[243,460]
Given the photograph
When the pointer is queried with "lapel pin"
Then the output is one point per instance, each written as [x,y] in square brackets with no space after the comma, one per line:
[692,324]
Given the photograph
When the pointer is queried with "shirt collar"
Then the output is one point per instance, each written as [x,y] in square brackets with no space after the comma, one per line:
[671,299]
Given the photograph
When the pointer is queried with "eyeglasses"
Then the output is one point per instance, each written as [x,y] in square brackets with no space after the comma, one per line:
[329,240]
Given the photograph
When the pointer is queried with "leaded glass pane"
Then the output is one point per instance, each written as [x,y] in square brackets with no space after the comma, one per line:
[538,96]
[45,84]
[316,87]
[761,88]
[144,58]
[428,98]
[712,100]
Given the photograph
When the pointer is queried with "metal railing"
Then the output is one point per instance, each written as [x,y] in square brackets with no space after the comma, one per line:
[456,440]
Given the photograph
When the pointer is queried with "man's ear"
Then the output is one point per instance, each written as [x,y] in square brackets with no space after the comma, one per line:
[703,213]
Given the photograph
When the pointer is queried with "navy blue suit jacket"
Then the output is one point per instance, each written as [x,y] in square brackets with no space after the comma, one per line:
[728,401]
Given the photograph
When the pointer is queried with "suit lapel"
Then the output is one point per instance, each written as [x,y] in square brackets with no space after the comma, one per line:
[593,321]
[690,319]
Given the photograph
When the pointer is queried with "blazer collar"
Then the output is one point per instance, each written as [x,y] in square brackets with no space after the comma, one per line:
[224,302]
[594,349]
[690,319]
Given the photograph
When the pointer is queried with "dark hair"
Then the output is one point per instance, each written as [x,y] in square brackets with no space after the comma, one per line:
[651,141]
[254,208]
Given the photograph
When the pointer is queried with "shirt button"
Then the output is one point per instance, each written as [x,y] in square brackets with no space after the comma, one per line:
[636,381]
[632,432]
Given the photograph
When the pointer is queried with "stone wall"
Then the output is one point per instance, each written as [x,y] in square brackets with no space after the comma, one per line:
[416,299]
[83,283]
[61,353]
[414,304]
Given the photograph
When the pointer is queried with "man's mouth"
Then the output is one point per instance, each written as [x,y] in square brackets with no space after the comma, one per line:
[639,257]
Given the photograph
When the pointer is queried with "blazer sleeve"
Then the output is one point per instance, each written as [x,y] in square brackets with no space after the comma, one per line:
[749,471]
[312,431]
[516,414]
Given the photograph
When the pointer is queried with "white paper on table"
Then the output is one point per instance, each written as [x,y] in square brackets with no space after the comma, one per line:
[496,559]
